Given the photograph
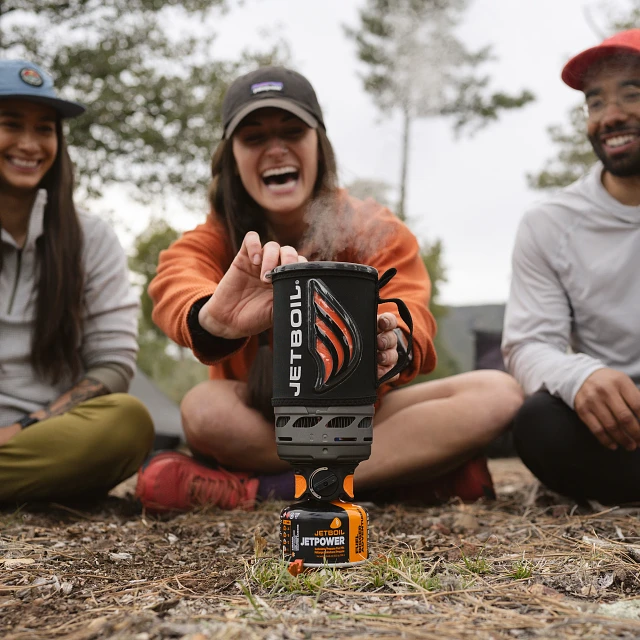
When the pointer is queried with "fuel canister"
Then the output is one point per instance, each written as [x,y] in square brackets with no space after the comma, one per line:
[324,533]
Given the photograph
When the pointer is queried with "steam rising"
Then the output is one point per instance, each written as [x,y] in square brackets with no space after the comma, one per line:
[338,231]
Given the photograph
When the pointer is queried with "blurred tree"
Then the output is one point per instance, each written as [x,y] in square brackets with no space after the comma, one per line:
[363,188]
[174,369]
[575,154]
[148,245]
[153,94]
[432,258]
[418,66]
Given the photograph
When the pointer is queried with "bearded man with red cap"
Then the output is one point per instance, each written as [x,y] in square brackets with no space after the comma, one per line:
[572,326]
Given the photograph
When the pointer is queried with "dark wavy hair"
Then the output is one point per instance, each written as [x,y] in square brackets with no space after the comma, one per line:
[231,203]
[57,329]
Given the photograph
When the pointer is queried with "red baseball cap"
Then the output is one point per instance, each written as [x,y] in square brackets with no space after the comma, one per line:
[624,42]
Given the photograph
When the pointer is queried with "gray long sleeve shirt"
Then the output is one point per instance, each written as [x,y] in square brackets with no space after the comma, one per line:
[574,305]
[108,348]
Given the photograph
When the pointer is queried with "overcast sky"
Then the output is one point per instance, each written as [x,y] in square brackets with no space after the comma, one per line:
[469,193]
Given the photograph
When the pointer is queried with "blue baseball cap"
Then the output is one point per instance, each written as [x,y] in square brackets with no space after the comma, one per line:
[22,79]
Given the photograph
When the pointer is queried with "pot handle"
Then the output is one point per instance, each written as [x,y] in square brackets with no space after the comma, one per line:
[406,357]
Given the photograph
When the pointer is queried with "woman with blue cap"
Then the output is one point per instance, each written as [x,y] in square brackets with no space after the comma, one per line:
[67,314]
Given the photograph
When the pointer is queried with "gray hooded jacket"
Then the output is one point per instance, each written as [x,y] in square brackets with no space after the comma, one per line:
[574,305]
[108,347]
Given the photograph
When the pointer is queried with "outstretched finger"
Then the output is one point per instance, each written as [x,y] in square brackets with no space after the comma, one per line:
[253,247]
[270,260]
[288,255]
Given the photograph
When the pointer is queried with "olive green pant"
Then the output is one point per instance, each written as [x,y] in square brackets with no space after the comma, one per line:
[80,454]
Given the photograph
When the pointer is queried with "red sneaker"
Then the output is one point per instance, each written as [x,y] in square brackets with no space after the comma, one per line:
[174,481]
[469,482]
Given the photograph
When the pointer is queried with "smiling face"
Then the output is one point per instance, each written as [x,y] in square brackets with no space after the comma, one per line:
[277,159]
[28,144]
[612,93]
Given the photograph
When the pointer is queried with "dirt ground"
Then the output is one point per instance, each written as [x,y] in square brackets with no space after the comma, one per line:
[529,565]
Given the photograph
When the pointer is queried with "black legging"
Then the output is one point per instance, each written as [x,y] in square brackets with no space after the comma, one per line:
[563,453]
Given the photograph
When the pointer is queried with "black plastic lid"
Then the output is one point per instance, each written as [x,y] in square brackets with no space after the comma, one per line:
[328,265]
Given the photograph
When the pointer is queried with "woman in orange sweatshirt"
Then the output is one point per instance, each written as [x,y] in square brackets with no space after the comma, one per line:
[275,201]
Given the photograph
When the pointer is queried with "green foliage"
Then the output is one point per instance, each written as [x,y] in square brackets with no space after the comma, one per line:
[477,565]
[396,570]
[574,157]
[624,18]
[574,154]
[418,66]
[153,96]
[522,570]
[148,245]
[172,368]
[433,261]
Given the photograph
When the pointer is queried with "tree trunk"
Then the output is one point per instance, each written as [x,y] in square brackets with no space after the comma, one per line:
[405,162]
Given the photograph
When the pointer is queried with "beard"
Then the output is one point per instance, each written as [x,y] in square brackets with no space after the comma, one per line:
[624,165]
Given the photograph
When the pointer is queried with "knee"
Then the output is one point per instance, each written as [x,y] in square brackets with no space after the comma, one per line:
[129,426]
[503,396]
[206,422]
[543,423]
[509,394]
[198,421]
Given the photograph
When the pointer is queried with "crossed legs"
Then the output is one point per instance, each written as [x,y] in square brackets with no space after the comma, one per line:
[420,431]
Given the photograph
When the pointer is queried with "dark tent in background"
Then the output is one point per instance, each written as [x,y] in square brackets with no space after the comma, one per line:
[164,411]
[488,354]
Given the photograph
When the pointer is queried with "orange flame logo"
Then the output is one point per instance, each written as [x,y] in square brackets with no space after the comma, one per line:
[334,339]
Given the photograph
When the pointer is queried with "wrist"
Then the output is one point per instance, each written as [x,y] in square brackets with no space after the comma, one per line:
[27,421]
[215,328]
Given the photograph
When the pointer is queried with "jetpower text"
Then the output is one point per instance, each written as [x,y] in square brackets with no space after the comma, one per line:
[322,541]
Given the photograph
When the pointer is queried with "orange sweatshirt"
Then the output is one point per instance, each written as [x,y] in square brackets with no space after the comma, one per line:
[191,267]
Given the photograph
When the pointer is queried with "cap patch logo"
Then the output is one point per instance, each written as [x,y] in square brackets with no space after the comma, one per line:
[31,77]
[266,86]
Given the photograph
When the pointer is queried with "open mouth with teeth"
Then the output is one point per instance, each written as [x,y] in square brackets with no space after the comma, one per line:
[620,141]
[280,179]
[23,164]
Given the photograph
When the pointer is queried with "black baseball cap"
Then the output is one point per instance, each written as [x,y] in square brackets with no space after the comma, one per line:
[270,87]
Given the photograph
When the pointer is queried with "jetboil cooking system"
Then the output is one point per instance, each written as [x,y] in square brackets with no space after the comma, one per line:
[324,390]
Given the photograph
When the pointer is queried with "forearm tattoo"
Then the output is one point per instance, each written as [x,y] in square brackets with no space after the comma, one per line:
[83,391]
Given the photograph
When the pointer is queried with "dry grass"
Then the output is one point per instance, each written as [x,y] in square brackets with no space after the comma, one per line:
[529,565]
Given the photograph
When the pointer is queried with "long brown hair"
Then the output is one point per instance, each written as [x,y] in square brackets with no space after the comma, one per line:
[56,333]
[230,202]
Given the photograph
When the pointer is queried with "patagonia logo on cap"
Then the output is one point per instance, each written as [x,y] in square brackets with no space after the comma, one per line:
[31,77]
[266,86]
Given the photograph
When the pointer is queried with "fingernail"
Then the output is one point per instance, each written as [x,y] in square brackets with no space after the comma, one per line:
[256,259]
[267,275]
